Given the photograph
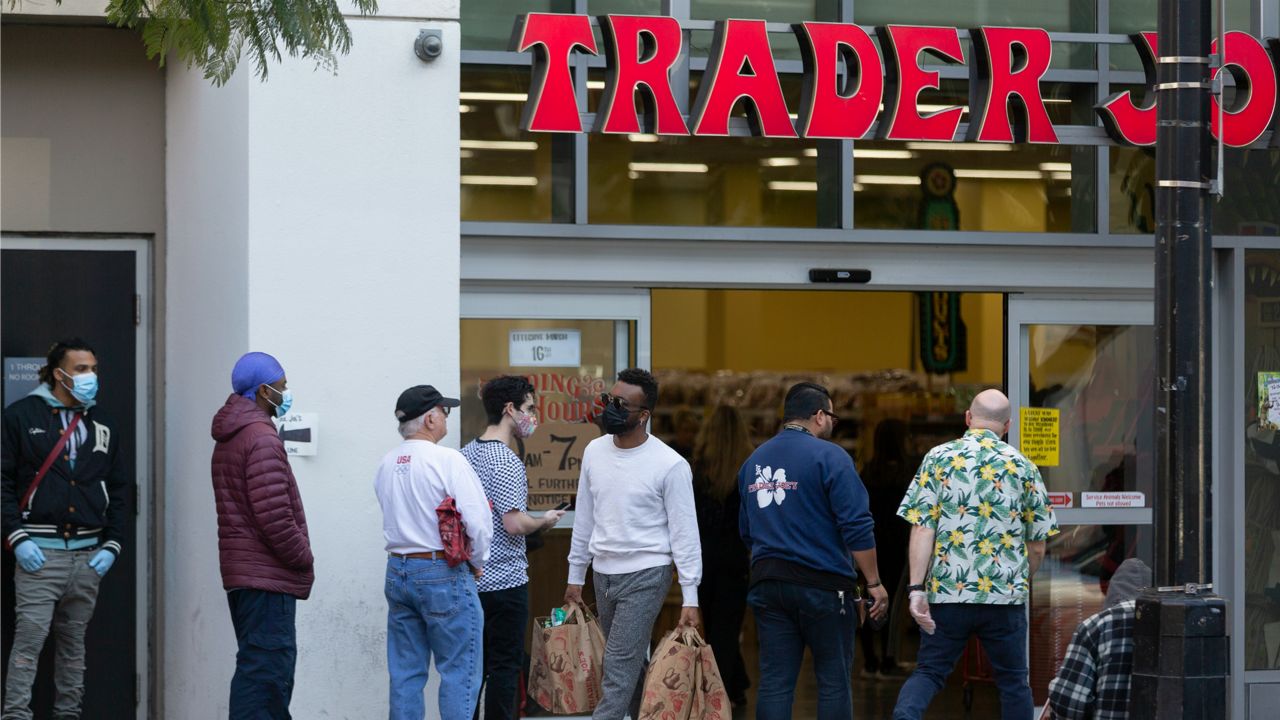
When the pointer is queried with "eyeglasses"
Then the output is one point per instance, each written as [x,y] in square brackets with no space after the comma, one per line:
[444,409]
[619,403]
[834,418]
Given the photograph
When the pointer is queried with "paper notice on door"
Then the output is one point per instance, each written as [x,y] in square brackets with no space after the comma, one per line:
[553,462]
[1113,499]
[1039,435]
[545,348]
[1269,399]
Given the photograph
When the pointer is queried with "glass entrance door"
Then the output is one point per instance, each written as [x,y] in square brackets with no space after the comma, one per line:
[1081,385]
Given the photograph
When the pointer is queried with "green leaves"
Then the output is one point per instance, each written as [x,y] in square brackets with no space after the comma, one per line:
[216,34]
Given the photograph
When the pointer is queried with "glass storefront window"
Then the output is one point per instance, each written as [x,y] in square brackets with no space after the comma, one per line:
[1100,379]
[1071,585]
[998,188]
[1262,460]
[1250,204]
[567,393]
[779,11]
[1132,16]
[736,181]
[1054,15]
[1132,204]
[506,172]
[487,25]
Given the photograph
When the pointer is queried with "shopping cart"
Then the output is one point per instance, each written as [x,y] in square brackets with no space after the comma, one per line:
[975,668]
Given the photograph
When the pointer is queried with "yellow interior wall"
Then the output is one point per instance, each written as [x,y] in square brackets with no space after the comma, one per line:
[745,330]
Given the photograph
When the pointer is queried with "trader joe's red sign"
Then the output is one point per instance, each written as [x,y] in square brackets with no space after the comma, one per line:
[1006,105]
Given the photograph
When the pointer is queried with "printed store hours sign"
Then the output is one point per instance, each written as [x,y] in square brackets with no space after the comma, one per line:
[545,348]
[1038,434]
[553,461]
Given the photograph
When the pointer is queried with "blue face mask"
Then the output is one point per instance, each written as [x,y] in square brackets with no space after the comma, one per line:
[286,401]
[83,387]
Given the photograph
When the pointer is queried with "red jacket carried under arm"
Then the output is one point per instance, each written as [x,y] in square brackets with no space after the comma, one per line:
[262,531]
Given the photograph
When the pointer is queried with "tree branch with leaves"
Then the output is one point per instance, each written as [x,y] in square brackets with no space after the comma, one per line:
[217,34]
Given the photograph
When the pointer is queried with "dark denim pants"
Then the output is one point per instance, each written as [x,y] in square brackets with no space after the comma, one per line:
[1002,629]
[265,630]
[506,612]
[789,618]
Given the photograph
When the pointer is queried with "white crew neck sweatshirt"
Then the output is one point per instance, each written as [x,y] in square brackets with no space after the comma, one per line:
[635,511]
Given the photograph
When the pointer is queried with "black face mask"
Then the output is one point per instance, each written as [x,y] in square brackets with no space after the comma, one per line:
[616,421]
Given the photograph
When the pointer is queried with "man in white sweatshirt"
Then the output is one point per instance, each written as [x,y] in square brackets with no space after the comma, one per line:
[634,518]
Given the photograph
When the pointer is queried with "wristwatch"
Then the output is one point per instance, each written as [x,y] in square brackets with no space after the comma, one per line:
[915,588]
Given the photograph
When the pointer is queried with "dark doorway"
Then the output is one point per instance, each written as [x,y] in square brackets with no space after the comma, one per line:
[46,295]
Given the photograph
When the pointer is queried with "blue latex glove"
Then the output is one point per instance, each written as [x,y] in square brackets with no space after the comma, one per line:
[29,555]
[102,562]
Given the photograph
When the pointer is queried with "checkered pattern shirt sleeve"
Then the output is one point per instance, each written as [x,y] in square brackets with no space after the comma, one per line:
[507,488]
[1093,682]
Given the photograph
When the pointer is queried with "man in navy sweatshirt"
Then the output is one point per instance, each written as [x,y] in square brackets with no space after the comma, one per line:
[806,519]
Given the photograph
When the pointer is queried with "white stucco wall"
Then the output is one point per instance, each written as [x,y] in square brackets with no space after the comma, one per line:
[317,219]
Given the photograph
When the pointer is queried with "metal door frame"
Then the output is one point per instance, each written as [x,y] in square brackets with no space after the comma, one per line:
[144,463]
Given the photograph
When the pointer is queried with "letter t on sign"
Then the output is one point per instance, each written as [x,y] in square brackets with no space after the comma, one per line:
[552,105]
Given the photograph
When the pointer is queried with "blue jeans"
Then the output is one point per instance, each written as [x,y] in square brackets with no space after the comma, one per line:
[790,617]
[433,611]
[266,633]
[1002,629]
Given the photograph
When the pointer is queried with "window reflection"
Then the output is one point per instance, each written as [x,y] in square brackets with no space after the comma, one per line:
[1060,15]
[1100,378]
[506,172]
[487,25]
[1071,585]
[1133,187]
[1262,460]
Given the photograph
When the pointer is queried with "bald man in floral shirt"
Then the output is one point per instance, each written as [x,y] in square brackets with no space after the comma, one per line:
[980,513]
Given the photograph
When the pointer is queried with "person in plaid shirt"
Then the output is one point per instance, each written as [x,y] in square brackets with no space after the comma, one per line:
[1093,682]
[981,517]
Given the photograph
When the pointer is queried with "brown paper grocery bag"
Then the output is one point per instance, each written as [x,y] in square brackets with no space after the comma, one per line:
[564,673]
[683,682]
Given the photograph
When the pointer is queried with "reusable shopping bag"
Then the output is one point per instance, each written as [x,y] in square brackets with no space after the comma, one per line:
[683,682]
[565,669]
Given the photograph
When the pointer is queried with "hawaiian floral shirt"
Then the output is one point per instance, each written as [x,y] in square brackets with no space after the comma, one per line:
[985,501]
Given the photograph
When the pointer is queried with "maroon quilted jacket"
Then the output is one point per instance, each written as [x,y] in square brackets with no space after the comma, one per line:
[262,532]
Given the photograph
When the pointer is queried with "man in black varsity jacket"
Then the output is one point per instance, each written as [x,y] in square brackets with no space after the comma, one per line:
[64,525]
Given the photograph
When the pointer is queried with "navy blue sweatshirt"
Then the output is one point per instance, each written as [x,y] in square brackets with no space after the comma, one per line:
[804,504]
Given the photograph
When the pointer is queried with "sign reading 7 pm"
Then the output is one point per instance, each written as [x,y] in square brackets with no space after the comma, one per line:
[553,461]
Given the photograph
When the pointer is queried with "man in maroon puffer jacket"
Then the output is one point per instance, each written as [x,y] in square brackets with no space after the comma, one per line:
[263,547]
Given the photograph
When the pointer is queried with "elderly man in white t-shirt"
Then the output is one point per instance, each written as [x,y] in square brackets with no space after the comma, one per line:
[634,518]
[432,609]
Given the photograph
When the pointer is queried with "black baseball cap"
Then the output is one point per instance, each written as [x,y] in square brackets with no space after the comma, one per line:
[419,399]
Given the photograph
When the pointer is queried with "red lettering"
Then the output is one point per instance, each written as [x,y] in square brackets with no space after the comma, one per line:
[902,46]
[557,384]
[552,412]
[1255,101]
[641,51]
[1008,64]
[827,109]
[741,68]
[1125,121]
[552,105]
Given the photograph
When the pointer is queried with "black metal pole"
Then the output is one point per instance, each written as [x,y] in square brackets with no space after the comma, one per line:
[1183,255]
[1180,652]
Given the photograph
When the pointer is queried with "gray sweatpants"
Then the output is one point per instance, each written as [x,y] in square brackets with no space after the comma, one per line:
[60,597]
[627,604]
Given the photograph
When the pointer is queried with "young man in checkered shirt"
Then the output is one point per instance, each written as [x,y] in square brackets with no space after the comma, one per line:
[1093,682]
[511,408]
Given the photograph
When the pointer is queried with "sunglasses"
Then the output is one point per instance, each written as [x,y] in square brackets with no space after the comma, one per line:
[834,418]
[619,403]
